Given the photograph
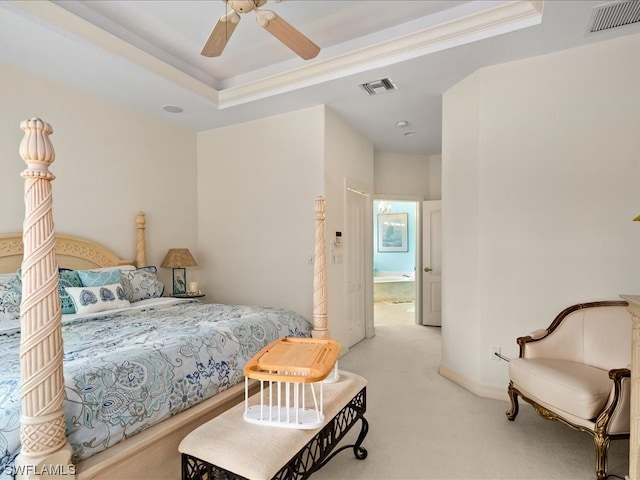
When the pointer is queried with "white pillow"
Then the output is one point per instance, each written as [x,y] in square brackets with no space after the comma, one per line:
[98,299]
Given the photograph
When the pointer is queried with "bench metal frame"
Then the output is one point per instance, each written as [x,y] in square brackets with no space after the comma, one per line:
[313,456]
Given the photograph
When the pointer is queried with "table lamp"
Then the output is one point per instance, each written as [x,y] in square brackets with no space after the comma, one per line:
[178,259]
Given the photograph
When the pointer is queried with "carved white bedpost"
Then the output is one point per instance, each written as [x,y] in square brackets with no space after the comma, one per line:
[320,328]
[45,452]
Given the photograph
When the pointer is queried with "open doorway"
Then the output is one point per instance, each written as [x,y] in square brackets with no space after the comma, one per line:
[395,253]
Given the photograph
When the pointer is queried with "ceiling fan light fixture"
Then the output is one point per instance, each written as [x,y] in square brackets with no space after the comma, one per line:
[402,123]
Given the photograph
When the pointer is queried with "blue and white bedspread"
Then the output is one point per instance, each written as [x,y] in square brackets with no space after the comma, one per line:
[127,370]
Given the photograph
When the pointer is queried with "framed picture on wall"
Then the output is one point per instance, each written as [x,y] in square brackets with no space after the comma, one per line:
[392,232]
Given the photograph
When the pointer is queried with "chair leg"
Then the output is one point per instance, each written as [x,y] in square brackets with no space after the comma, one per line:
[602,447]
[513,396]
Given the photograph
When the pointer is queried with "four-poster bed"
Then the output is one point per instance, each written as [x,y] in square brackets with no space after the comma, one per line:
[57,402]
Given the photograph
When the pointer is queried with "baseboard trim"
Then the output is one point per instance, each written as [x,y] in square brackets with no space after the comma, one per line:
[495,393]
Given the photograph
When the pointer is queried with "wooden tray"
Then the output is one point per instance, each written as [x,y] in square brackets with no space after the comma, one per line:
[297,360]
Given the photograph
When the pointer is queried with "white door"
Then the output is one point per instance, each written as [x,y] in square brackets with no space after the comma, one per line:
[431,262]
[355,241]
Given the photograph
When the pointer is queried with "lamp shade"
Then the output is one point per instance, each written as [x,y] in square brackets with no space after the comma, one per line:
[178,257]
[637,219]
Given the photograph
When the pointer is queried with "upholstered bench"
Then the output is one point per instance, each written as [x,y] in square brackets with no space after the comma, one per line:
[228,447]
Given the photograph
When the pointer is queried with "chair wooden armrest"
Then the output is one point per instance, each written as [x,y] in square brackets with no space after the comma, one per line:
[619,373]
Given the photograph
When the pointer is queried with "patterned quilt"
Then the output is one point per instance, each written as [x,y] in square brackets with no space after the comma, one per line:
[129,370]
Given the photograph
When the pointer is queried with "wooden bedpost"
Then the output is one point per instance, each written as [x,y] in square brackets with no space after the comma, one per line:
[45,452]
[320,328]
[141,255]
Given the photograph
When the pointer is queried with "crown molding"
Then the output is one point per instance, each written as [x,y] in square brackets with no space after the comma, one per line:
[501,18]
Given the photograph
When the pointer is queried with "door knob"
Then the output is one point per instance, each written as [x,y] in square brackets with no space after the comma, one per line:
[427,269]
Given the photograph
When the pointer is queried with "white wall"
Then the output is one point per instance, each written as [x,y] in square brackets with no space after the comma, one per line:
[348,156]
[408,175]
[110,163]
[461,326]
[540,186]
[257,184]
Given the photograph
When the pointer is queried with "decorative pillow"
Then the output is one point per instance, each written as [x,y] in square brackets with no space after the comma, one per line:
[98,299]
[10,297]
[97,278]
[68,278]
[141,284]
[9,277]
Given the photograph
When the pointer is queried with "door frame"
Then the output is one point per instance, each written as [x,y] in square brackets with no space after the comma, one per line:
[366,249]
[418,260]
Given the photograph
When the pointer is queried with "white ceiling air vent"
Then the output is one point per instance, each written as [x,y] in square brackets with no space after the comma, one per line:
[378,86]
[614,15]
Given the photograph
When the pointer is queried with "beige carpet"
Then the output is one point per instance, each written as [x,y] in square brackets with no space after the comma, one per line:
[424,427]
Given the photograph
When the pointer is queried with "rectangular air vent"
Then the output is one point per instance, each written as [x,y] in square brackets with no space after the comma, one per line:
[614,15]
[378,86]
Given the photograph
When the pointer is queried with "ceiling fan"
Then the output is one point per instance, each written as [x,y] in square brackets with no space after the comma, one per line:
[267,19]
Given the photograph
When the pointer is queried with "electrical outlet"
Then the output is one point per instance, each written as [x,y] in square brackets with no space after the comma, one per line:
[495,349]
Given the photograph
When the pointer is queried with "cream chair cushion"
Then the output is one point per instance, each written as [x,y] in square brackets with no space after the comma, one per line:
[577,388]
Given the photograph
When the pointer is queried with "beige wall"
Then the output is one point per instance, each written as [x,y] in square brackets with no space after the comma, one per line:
[540,186]
[349,160]
[110,163]
[257,184]
[256,188]
[418,176]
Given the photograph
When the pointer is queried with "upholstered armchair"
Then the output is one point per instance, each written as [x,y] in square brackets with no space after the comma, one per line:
[577,372]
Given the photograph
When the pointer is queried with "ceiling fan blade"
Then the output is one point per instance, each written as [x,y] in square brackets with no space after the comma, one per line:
[220,34]
[287,34]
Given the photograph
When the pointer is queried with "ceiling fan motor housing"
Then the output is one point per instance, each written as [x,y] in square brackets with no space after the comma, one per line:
[270,21]
[244,6]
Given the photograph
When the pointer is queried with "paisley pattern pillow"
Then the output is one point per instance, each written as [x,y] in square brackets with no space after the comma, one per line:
[68,278]
[98,299]
[10,297]
[141,284]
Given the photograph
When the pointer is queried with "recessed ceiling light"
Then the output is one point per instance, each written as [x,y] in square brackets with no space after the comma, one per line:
[402,123]
[409,134]
[172,108]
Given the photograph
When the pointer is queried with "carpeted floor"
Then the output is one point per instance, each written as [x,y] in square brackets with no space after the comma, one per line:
[424,427]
